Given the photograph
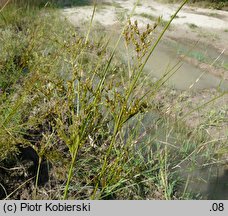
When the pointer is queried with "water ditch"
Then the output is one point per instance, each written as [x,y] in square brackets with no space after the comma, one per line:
[188,76]
[209,182]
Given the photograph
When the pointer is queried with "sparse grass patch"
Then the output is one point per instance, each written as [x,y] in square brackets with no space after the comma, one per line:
[216,117]
[114,4]
[192,25]
[159,20]
[225,65]
[197,55]
[212,36]
[213,14]
[148,16]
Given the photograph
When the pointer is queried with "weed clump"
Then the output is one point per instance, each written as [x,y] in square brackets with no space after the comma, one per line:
[61,99]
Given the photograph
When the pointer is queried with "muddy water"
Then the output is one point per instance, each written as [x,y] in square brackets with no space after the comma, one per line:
[210,182]
[187,77]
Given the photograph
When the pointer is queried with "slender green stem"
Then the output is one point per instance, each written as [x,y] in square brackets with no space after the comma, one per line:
[37,178]
[116,129]
[4,6]
[105,160]
[20,186]
[91,21]
[70,173]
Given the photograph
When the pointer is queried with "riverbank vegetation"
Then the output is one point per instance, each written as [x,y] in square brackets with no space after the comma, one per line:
[92,121]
